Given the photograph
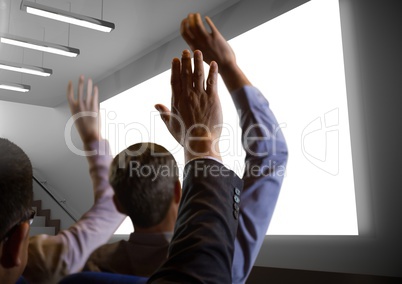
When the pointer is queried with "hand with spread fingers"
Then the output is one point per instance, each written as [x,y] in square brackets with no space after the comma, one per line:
[85,110]
[214,48]
[195,118]
[213,45]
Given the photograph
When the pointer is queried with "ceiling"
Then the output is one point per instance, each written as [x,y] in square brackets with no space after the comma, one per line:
[141,26]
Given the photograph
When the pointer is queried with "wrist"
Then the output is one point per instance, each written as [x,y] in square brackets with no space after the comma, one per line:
[201,147]
[89,141]
[233,77]
[227,68]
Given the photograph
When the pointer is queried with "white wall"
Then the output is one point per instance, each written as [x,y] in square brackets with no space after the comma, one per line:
[39,131]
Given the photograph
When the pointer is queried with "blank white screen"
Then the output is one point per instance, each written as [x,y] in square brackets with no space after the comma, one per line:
[296,60]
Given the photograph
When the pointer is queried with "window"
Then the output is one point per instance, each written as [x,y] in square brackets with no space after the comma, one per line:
[296,60]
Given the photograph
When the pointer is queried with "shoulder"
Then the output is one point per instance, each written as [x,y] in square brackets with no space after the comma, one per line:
[108,249]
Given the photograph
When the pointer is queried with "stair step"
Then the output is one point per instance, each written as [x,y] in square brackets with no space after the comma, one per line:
[41,230]
[39,221]
[44,218]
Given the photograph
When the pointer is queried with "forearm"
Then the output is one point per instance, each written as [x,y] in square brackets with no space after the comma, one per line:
[233,76]
[99,223]
[99,165]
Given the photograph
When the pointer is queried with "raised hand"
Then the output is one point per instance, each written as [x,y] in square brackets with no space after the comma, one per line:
[213,45]
[85,110]
[215,48]
[195,118]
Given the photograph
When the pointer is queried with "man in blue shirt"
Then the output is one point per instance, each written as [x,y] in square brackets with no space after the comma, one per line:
[262,138]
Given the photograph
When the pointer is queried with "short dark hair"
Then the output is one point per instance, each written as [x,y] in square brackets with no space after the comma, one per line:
[15,185]
[143,177]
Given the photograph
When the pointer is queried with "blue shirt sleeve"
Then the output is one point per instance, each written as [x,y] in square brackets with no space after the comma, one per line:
[265,162]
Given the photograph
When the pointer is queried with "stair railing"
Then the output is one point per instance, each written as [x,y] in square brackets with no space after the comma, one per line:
[59,202]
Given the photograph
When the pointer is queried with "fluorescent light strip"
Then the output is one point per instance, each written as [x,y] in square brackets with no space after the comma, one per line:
[66,16]
[15,87]
[40,45]
[33,70]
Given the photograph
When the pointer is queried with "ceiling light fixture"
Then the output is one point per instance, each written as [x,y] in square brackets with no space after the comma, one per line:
[33,70]
[66,16]
[40,45]
[15,87]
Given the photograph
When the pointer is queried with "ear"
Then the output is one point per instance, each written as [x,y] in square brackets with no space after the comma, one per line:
[118,205]
[14,248]
[177,192]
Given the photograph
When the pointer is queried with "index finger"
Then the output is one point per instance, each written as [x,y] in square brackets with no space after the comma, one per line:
[212,81]
[211,25]
[95,99]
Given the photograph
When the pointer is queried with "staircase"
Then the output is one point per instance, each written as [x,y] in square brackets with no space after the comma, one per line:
[42,223]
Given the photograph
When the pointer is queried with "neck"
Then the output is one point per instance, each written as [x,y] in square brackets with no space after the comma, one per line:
[166,226]
[8,277]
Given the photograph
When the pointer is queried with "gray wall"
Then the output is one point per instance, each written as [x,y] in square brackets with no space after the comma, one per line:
[39,131]
[233,21]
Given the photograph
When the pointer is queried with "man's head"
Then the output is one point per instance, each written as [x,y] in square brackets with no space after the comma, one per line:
[15,209]
[146,184]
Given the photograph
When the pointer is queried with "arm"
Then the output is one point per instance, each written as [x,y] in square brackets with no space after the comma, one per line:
[202,246]
[266,157]
[52,257]
[265,164]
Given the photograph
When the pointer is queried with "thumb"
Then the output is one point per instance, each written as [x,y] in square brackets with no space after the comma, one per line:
[214,29]
[164,113]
